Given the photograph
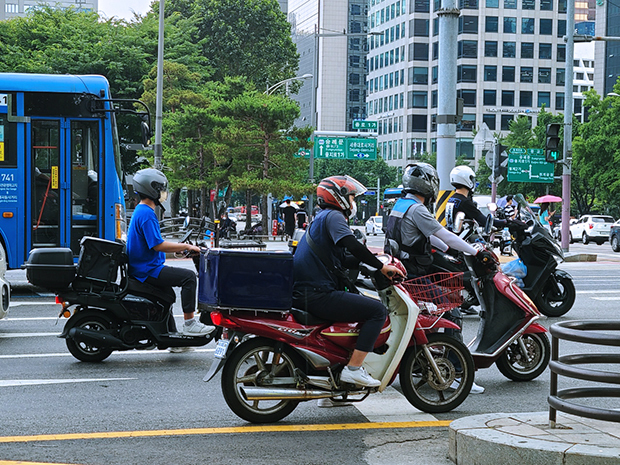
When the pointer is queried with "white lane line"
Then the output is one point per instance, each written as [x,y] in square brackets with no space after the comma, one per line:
[605,298]
[599,292]
[23,304]
[37,382]
[12,335]
[390,405]
[128,352]
[34,318]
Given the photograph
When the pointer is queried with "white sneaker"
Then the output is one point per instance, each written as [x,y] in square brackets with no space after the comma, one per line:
[196,328]
[475,389]
[328,403]
[179,350]
[358,377]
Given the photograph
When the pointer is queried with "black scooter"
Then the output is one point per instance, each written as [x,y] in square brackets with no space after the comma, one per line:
[107,310]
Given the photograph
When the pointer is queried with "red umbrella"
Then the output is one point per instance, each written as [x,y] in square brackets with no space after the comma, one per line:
[548,199]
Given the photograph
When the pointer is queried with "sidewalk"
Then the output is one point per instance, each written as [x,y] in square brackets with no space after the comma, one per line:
[527,439]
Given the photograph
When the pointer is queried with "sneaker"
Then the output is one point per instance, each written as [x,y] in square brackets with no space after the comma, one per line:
[475,389]
[358,377]
[469,311]
[196,328]
[180,350]
[328,403]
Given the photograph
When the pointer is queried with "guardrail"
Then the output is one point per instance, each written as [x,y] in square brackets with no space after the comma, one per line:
[588,332]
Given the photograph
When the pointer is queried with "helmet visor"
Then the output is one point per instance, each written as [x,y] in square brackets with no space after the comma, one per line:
[355,187]
[163,195]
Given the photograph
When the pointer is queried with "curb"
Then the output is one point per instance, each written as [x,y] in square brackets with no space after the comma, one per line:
[526,438]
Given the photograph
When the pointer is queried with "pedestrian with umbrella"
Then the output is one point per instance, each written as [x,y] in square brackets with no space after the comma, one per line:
[545,210]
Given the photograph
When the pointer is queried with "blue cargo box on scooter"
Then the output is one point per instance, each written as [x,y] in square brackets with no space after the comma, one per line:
[246,279]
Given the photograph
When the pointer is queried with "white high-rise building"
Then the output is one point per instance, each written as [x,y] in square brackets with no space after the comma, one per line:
[511,61]
[14,8]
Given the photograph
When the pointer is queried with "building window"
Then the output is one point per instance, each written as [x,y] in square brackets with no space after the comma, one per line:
[490,121]
[508,74]
[354,95]
[561,27]
[579,76]
[544,76]
[468,96]
[435,27]
[490,48]
[11,8]
[490,97]
[418,51]
[525,98]
[433,99]
[509,50]
[421,6]
[560,77]
[416,123]
[435,75]
[510,4]
[420,27]
[527,50]
[528,4]
[544,51]
[490,73]
[355,27]
[418,75]
[466,73]
[546,5]
[354,61]
[468,49]
[510,25]
[469,4]
[561,6]
[491,24]
[492,3]
[468,24]
[559,100]
[435,52]
[465,147]
[546,27]
[527,74]
[561,55]
[527,25]
[417,99]
[544,98]
[467,123]
[354,79]
[508,98]
[505,122]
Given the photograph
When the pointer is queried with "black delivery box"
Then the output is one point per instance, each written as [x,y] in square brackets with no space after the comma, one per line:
[52,268]
[246,279]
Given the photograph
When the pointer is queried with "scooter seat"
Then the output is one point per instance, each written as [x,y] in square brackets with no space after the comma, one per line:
[306,318]
[165,294]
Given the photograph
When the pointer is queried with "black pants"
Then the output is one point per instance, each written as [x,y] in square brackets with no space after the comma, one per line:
[178,277]
[344,306]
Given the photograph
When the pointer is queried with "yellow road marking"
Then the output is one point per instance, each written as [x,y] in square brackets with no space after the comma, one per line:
[224,430]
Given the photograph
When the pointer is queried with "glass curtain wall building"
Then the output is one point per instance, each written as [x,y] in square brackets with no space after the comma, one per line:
[511,61]
[337,93]
[607,53]
[16,8]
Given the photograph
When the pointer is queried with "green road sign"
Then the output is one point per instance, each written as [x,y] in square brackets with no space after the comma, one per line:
[302,153]
[358,124]
[529,165]
[349,148]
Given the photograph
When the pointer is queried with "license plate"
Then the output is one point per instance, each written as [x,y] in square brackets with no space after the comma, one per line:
[220,350]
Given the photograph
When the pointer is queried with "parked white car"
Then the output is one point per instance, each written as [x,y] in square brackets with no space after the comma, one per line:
[591,228]
[374,225]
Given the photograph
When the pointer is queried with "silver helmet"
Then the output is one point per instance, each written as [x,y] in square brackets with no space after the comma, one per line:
[421,179]
[463,176]
[151,183]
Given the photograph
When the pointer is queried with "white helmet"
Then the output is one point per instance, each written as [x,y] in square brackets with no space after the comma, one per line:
[463,176]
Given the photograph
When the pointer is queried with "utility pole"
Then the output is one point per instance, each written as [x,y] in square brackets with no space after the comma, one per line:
[446,92]
[157,148]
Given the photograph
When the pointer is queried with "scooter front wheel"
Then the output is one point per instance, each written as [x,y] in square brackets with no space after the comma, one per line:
[421,365]
[257,362]
[557,296]
[517,365]
[84,351]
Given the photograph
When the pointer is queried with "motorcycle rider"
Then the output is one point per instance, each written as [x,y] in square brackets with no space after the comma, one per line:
[146,249]
[320,279]
[416,230]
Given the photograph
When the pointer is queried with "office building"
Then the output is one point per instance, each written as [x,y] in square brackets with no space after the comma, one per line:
[607,53]
[511,61]
[15,8]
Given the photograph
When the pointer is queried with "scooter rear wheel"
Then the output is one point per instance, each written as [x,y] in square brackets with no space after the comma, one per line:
[420,383]
[83,351]
[256,363]
[515,365]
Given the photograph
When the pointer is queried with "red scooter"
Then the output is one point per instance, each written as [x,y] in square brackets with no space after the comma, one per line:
[274,360]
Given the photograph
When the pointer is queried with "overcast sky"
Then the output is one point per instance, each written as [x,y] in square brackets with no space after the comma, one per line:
[123,8]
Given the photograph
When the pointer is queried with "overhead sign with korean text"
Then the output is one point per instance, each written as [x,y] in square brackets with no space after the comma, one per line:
[529,165]
[345,148]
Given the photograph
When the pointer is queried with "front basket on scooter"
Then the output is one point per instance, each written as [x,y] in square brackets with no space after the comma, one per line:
[436,293]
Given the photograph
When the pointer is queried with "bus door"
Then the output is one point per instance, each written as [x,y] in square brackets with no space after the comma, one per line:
[65,186]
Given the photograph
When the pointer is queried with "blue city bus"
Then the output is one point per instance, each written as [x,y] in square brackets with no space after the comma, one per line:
[60,162]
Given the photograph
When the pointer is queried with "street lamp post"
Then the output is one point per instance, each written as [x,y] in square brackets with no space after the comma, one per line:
[272,89]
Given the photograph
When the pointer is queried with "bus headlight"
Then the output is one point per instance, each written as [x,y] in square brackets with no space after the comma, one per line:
[120,222]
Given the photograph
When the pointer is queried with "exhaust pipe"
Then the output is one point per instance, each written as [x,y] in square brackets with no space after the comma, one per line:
[96,338]
[266,393]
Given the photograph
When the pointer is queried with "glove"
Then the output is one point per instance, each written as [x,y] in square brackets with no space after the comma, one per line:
[453,252]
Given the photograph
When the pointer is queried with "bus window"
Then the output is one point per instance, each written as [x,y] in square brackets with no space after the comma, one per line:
[84,181]
[46,183]
[8,143]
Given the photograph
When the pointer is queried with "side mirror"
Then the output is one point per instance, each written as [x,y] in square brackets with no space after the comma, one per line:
[458,222]
[394,248]
[146,133]
[489,224]
[492,206]
[186,222]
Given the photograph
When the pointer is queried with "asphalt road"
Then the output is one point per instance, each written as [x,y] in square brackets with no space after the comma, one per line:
[153,407]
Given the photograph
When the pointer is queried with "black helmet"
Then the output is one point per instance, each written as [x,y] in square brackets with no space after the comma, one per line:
[421,179]
[151,183]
